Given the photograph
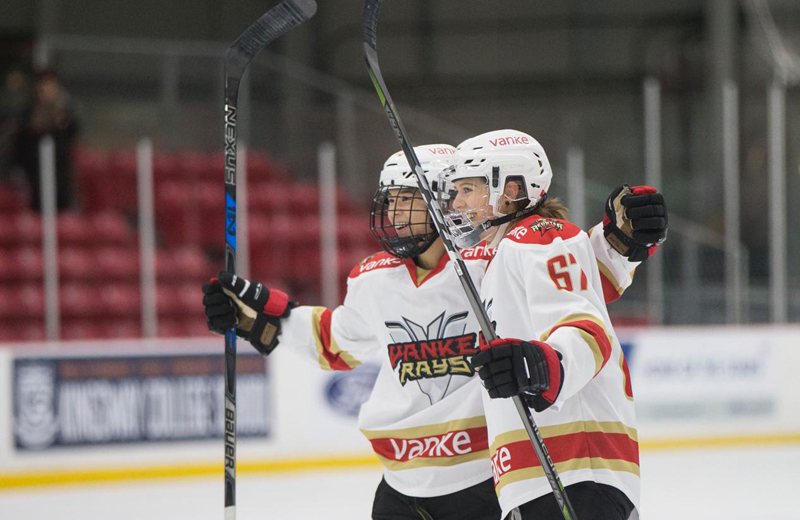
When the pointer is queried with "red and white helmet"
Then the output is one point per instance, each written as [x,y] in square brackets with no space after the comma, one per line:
[499,158]
[393,232]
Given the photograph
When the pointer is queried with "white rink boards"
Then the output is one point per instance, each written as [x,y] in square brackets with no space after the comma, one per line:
[746,483]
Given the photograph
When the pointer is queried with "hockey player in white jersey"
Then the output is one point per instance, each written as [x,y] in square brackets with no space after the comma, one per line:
[543,291]
[424,418]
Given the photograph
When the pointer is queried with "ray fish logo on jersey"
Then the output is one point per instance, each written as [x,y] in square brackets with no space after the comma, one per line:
[543,225]
[432,352]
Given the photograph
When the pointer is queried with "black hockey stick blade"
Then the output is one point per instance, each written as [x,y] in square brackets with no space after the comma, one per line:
[272,25]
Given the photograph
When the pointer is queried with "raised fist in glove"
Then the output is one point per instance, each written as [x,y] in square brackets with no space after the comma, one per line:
[529,369]
[255,310]
[635,223]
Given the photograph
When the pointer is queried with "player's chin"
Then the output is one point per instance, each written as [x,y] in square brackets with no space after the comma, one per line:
[403,230]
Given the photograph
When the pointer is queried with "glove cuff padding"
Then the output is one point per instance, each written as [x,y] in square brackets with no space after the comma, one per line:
[554,369]
[277,303]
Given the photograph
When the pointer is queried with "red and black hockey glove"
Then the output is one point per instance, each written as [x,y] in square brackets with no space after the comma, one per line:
[254,309]
[635,223]
[529,369]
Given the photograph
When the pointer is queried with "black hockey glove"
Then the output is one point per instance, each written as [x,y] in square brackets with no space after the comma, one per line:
[254,309]
[530,369]
[635,223]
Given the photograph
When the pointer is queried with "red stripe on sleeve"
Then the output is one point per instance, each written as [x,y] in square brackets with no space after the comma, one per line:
[334,360]
[597,332]
[610,293]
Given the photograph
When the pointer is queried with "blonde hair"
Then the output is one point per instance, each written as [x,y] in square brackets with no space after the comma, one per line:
[552,208]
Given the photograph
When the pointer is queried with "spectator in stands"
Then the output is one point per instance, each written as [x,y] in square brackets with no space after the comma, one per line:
[13,103]
[52,113]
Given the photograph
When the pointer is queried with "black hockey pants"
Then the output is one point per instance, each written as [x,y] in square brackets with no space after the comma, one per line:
[591,501]
[478,502]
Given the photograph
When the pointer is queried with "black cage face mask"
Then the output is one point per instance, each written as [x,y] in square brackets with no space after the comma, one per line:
[400,221]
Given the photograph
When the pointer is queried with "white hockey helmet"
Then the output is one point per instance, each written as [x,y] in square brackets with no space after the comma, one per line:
[392,223]
[499,158]
[433,158]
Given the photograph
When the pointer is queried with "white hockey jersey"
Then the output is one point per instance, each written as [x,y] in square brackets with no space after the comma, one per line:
[424,418]
[543,285]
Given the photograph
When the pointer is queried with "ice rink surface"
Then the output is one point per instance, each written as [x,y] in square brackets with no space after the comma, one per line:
[725,483]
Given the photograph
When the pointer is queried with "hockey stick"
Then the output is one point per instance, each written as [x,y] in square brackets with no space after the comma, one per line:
[272,25]
[369,27]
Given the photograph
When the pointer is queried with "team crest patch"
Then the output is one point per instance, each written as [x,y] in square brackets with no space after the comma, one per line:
[433,358]
[543,225]
[442,348]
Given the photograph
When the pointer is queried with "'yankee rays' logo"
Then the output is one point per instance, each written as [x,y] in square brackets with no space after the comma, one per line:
[432,354]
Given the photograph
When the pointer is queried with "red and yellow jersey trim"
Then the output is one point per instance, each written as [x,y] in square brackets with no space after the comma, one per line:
[572,446]
[592,331]
[611,287]
[627,386]
[374,262]
[330,355]
[420,275]
[436,445]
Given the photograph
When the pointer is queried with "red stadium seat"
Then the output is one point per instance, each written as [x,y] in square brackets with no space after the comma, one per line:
[111,228]
[117,263]
[269,198]
[259,166]
[192,165]
[8,235]
[27,264]
[122,164]
[213,169]
[353,230]
[8,304]
[184,328]
[80,329]
[187,263]
[189,298]
[79,301]
[73,229]
[28,228]
[193,264]
[209,196]
[122,177]
[90,162]
[76,264]
[120,300]
[29,300]
[21,330]
[7,268]
[120,329]
[164,165]
[303,198]
[11,199]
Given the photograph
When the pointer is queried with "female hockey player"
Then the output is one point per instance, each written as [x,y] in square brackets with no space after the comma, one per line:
[424,418]
[543,286]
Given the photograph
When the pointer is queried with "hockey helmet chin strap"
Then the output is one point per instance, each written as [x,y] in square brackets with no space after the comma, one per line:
[473,237]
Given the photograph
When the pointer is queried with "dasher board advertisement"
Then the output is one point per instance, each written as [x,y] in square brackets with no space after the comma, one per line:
[95,400]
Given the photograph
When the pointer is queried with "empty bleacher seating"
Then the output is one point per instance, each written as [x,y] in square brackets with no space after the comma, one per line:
[98,260]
